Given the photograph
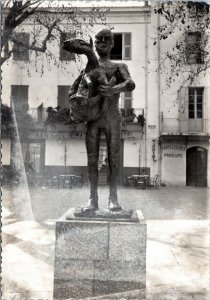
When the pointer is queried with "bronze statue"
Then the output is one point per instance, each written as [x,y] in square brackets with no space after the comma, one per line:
[96,91]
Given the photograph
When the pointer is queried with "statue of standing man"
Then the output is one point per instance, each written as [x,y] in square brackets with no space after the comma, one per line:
[108,122]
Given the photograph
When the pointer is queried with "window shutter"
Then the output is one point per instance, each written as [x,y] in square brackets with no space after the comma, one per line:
[63,95]
[19,95]
[21,52]
[127,46]
[127,100]
[183,109]
[65,55]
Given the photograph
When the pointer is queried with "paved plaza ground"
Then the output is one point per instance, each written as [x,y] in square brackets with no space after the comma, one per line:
[177,245]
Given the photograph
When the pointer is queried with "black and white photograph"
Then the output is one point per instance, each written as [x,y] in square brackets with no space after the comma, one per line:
[105,155]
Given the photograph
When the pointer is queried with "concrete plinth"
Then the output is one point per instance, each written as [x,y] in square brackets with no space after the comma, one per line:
[95,257]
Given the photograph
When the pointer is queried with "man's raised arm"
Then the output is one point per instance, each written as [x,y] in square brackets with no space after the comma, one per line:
[127,84]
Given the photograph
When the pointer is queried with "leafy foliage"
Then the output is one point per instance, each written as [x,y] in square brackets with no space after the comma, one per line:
[47,21]
[186,25]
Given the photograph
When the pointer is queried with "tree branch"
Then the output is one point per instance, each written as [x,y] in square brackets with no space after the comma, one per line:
[33,46]
[26,14]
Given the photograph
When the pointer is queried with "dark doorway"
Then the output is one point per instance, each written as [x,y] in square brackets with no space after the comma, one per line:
[103,168]
[196,166]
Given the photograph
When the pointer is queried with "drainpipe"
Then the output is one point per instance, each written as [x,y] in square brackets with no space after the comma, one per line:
[146,86]
[159,98]
[65,155]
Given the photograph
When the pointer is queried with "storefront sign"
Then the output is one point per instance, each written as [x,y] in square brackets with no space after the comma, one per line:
[173,151]
[44,135]
[174,147]
[56,135]
[173,155]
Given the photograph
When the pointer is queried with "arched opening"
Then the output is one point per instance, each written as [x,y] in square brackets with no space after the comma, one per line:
[196,166]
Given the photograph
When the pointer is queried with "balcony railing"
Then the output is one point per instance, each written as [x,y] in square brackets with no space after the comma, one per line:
[42,115]
[38,115]
[185,126]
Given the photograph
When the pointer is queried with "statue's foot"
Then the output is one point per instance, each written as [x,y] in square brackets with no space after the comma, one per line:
[114,205]
[92,206]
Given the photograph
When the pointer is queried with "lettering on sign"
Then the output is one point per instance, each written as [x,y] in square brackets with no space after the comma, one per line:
[174,147]
[151,126]
[173,155]
[173,151]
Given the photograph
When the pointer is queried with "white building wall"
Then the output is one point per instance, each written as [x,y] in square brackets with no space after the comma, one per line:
[131,153]
[65,152]
[76,153]
[54,153]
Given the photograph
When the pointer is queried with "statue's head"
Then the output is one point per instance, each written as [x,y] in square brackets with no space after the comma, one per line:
[104,42]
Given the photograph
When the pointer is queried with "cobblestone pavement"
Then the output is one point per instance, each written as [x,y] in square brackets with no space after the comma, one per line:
[156,204]
[177,245]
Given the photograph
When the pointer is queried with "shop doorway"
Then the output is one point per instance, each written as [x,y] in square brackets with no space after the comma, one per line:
[102,165]
[33,156]
[196,166]
[103,168]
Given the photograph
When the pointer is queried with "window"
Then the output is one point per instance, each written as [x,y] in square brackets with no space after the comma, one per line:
[34,156]
[122,46]
[19,97]
[195,106]
[21,47]
[127,100]
[65,55]
[63,95]
[194,51]
[197,9]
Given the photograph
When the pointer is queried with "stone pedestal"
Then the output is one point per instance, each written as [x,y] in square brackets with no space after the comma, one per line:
[99,257]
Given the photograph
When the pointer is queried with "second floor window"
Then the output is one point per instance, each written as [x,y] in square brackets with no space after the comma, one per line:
[65,55]
[63,95]
[122,46]
[194,48]
[195,106]
[21,47]
[19,97]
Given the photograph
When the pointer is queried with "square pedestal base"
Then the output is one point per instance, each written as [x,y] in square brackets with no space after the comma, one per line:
[95,258]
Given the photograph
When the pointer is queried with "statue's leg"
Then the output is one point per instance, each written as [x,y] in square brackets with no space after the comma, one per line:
[113,147]
[92,146]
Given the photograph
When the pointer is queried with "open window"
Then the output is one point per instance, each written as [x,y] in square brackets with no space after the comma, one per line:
[194,48]
[63,95]
[122,46]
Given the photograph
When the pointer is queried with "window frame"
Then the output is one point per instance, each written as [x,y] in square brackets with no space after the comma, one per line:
[18,49]
[195,103]
[124,46]
[197,56]
[62,99]
[15,98]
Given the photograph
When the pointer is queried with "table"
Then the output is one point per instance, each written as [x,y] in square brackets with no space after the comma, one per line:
[139,181]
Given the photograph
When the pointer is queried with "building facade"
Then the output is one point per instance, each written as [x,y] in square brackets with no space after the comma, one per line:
[170,143]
